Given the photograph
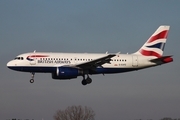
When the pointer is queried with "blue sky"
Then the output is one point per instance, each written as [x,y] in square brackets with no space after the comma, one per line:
[95,27]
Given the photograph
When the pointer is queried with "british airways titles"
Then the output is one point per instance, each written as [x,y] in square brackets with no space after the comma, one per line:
[55,61]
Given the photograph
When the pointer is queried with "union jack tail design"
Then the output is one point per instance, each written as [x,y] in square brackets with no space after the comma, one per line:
[155,44]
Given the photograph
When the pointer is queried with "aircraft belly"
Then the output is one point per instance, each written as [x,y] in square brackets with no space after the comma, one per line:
[33,69]
[111,70]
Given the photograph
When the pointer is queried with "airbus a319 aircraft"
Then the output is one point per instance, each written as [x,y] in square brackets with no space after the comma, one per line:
[65,66]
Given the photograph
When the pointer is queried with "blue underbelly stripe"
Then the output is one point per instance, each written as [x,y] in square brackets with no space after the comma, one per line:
[53,69]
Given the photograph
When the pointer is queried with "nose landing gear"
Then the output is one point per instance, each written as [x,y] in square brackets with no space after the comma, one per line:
[32,79]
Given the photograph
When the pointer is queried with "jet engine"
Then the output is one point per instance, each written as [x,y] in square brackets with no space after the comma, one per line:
[66,73]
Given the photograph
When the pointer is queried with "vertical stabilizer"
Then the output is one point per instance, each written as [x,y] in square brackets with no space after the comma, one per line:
[154,46]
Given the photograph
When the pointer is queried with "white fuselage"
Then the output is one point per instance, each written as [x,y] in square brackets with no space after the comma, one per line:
[41,61]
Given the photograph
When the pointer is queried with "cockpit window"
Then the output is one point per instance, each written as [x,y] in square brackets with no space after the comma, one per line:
[18,58]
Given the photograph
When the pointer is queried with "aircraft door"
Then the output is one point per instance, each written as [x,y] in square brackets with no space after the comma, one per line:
[134,61]
[33,62]
[32,58]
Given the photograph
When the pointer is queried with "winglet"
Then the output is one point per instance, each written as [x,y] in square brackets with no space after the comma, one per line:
[117,54]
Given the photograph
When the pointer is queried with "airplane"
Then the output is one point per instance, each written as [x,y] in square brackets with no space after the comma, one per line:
[65,66]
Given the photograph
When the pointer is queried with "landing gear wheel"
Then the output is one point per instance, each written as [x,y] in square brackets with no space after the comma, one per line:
[89,80]
[31,80]
[32,77]
[84,82]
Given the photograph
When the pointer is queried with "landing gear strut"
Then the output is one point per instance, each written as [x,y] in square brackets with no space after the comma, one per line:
[86,81]
[32,79]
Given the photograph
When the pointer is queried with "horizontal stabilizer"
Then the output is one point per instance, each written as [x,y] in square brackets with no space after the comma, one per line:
[163,59]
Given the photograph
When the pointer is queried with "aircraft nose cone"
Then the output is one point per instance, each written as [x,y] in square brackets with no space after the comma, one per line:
[10,64]
[14,66]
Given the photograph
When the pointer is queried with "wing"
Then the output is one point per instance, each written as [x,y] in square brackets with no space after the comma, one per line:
[96,62]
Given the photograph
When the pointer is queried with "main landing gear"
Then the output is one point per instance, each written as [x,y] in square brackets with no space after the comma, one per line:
[86,81]
[32,79]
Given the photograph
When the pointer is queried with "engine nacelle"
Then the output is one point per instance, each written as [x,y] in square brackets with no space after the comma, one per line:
[66,73]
